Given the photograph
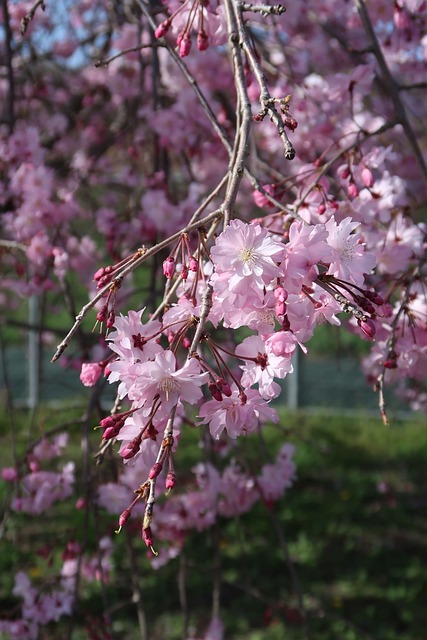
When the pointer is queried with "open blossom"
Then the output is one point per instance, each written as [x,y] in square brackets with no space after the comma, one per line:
[306,247]
[263,366]
[161,378]
[349,260]
[236,417]
[275,478]
[245,258]
[133,340]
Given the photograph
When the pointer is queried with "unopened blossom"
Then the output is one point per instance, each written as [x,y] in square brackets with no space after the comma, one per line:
[90,373]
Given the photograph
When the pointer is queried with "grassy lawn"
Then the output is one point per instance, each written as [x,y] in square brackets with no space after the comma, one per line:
[349,539]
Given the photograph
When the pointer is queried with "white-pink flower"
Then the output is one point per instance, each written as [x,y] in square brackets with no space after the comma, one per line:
[233,415]
[262,366]
[245,257]
[349,260]
[161,378]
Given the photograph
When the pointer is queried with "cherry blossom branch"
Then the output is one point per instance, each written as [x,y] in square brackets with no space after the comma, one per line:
[390,344]
[266,100]
[342,152]
[106,61]
[206,106]
[241,143]
[30,15]
[140,256]
[391,86]
[264,9]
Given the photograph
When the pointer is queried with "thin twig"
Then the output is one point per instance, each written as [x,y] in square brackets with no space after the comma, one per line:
[30,15]
[144,254]
[106,61]
[391,86]
[266,100]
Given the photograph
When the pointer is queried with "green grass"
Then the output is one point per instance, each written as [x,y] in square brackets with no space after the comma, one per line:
[359,554]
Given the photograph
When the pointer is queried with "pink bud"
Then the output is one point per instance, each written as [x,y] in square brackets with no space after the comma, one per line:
[202,40]
[185,46]
[90,373]
[81,503]
[352,190]
[193,264]
[170,480]
[111,432]
[184,272]
[102,272]
[186,342]
[290,123]
[367,177]
[367,327]
[400,17]
[130,450]
[163,28]
[215,392]
[124,517]
[321,209]
[111,318]
[102,314]
[147,536]
[169,267]
[224,387]
[345,173]
[155,470]
[280,294]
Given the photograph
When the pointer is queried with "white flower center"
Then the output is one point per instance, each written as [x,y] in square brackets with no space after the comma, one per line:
[168,385]
[247,255]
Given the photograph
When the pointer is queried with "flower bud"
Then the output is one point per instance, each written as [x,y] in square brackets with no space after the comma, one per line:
[163,28]
[352,190]
[170,480]
[367,177]
[130,450]
[185,46]
[147,536]
[124,517]
[202,40]
[215,392]
[193,264]
[224,387]
[367,327]
[321,209]
[169,267]
[155,470]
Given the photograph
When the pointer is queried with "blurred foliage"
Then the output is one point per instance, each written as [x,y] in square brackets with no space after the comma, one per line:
[354,527]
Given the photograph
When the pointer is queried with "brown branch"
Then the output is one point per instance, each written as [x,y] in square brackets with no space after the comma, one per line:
[391,85]
[266,100]
[105,61]
[30,15]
